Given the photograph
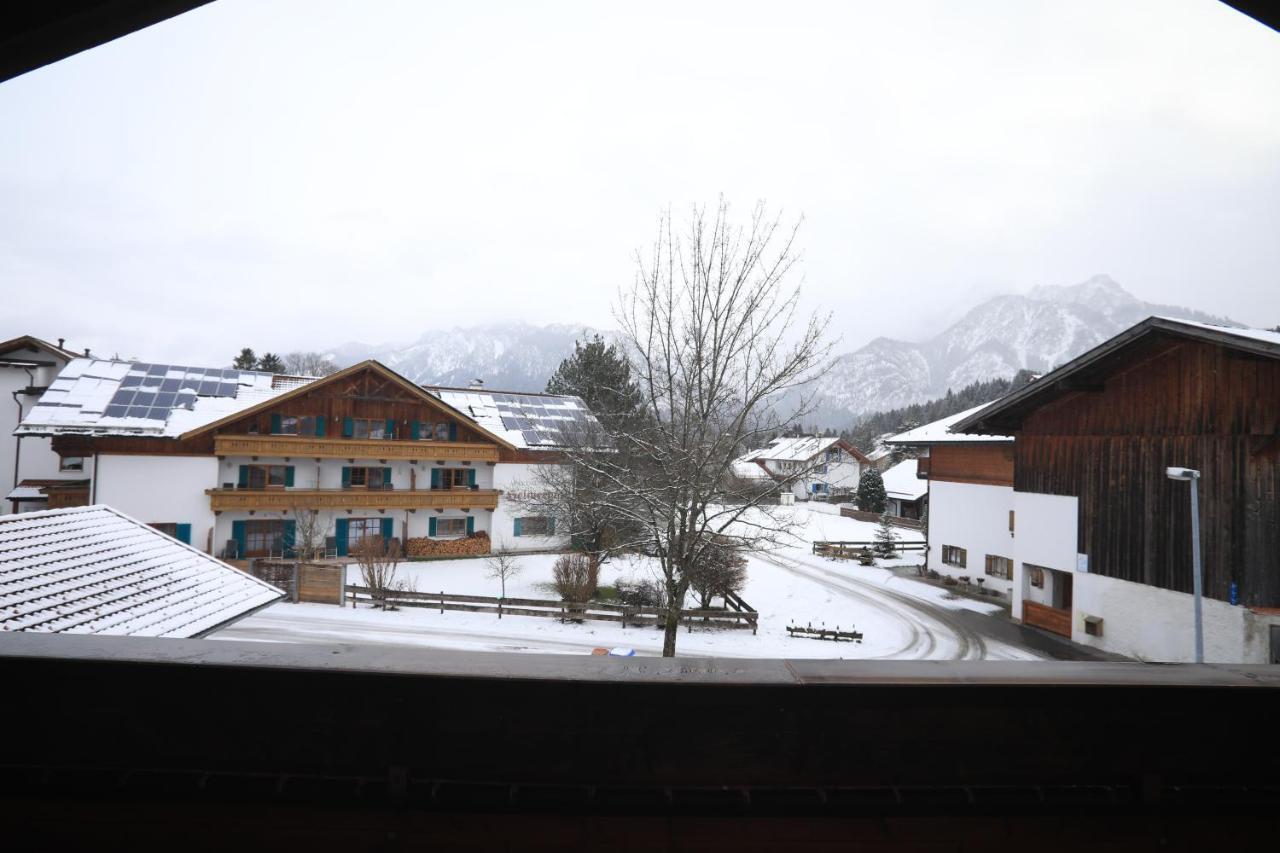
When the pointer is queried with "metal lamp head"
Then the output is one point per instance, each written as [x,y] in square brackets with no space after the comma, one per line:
[1182,473]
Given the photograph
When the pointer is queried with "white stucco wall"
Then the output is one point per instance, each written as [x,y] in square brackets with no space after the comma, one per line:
[975,518]
[1045,535]
[518,477]
[159,489]
[37,460]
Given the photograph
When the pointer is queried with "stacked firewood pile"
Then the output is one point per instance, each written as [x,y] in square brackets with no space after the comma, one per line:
[477,543]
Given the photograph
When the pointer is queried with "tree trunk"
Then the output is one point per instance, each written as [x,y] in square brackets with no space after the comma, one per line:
[670,629]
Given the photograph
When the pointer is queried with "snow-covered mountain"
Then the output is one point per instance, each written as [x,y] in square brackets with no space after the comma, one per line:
[1039,330]
[513,357]
[1047,326]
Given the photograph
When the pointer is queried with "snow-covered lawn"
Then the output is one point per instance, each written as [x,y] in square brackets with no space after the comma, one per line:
[899,617]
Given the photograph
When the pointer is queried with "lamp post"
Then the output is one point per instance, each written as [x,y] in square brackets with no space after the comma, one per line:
[1194,476]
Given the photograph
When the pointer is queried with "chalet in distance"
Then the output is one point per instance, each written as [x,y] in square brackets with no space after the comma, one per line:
[810,466]
[1103,545]
[223,459]
[970,499]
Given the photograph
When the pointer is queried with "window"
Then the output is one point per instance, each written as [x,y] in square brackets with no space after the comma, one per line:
[427,431]
[368,428]
[298,425]
[362,528]
[263,538]
[368,478]
[999,567]
[451,478]
[70,463]
[953,556]
[1035,574]
[166,528]
[535,525]
[833,454]
[265,476]
[442,432]
[451,527]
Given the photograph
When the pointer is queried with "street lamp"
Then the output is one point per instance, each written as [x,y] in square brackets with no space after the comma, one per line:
[1194,476]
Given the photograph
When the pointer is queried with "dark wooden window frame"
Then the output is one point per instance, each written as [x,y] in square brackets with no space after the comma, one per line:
[999,567]
[369,425]
[370,477]
[955,556]
[443,523]
[265,472]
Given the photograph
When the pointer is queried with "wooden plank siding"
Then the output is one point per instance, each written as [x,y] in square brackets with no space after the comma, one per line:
[986,464]
[1175,403]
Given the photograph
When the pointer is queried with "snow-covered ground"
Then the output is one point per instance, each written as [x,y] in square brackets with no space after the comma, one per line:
[900,618]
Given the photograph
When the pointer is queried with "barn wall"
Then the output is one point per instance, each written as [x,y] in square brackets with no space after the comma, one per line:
[979,463]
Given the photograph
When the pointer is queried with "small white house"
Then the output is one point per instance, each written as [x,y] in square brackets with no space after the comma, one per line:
[32,476]
[906,494]
[809,466]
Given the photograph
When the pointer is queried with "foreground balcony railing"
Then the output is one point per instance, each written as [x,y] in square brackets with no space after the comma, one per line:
[352,448]
[287,499]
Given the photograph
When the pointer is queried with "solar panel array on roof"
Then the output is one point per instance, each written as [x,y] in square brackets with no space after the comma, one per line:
[525,420]
[154,390]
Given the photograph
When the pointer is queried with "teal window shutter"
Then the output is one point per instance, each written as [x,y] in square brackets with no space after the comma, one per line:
[183,534]
[415,430]
[320,419]
[471,478]
[341,530]
[275,424]
[348,427]
[551,527]
[386,478]
[288,476]
[387,531]
[435,479]
[346,477]
[391,428]
[290,537]
[431,526]
[471,525]
[244,476]
[453,431]
[238,534]
[519,531]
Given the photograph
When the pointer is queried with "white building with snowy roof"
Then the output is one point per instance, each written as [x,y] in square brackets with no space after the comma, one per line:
[810,466]
[906,494]
[32,476]
[95,570]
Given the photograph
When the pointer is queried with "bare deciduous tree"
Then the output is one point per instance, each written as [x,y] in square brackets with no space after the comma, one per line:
[308,364]
[378,561]
[503,566]
[310,528]
[575,577]
[718,347]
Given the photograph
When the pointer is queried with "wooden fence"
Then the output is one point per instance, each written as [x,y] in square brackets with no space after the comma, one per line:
[1049,618]
[737,615]
[895,520]
[321,583]
[853,550]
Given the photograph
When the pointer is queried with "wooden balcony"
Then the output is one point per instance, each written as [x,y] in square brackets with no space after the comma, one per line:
[310,447]
[287,499]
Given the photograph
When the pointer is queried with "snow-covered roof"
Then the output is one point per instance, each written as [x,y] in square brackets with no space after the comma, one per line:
[527,421]
[939,431]
[901,482]
[1260,335]
[95,570]
[799,448]
[107,397]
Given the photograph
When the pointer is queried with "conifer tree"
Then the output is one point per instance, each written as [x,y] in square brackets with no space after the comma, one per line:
[246,360]
[871,496]
[601,376]
[271,363]
[886,537]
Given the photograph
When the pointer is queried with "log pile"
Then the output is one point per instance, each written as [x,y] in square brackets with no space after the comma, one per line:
[477,543]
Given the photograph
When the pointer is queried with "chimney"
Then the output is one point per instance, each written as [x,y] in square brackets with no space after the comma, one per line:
[86,352]
[61,341]
[477,383]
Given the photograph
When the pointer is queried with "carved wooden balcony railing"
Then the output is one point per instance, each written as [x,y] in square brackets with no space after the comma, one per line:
[287,499]
[305,447]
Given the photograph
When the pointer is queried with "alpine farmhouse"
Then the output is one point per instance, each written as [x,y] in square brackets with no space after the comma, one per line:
[224,459]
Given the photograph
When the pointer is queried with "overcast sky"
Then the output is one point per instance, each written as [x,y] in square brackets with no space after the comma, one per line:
[292,175]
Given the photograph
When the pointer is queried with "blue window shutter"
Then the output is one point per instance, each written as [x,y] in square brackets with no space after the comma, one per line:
[184,534]
[288,476]
[346,477]
[290,537]
[275,424]
[238,534]
[341,529]
[519,531]
[431,526]
[551,527]
[471,525]
[386,478]
[391,428]
[348,427]
[320,419]
[415,430]
[471,478]
[453,431]
[435,478]
[387,531]
[244,476]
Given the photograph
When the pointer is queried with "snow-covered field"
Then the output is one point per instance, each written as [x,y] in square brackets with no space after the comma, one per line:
[900,618]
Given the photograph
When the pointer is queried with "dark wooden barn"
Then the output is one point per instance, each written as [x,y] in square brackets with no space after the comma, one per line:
[1104,428]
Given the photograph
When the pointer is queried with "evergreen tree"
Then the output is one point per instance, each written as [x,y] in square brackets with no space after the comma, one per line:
[246,360]
[886,538]
[601,376]
[271,363]
[871,496]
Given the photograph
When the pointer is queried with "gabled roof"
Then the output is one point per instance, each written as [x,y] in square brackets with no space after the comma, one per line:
[109,397]
[377,367]
[1089,368]
[801,448]
[32,342]
[942,431]
[530,421]
[95,570]
[901,482]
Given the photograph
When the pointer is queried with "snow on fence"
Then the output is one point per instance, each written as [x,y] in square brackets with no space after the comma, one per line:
[738,614]
[853,550]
